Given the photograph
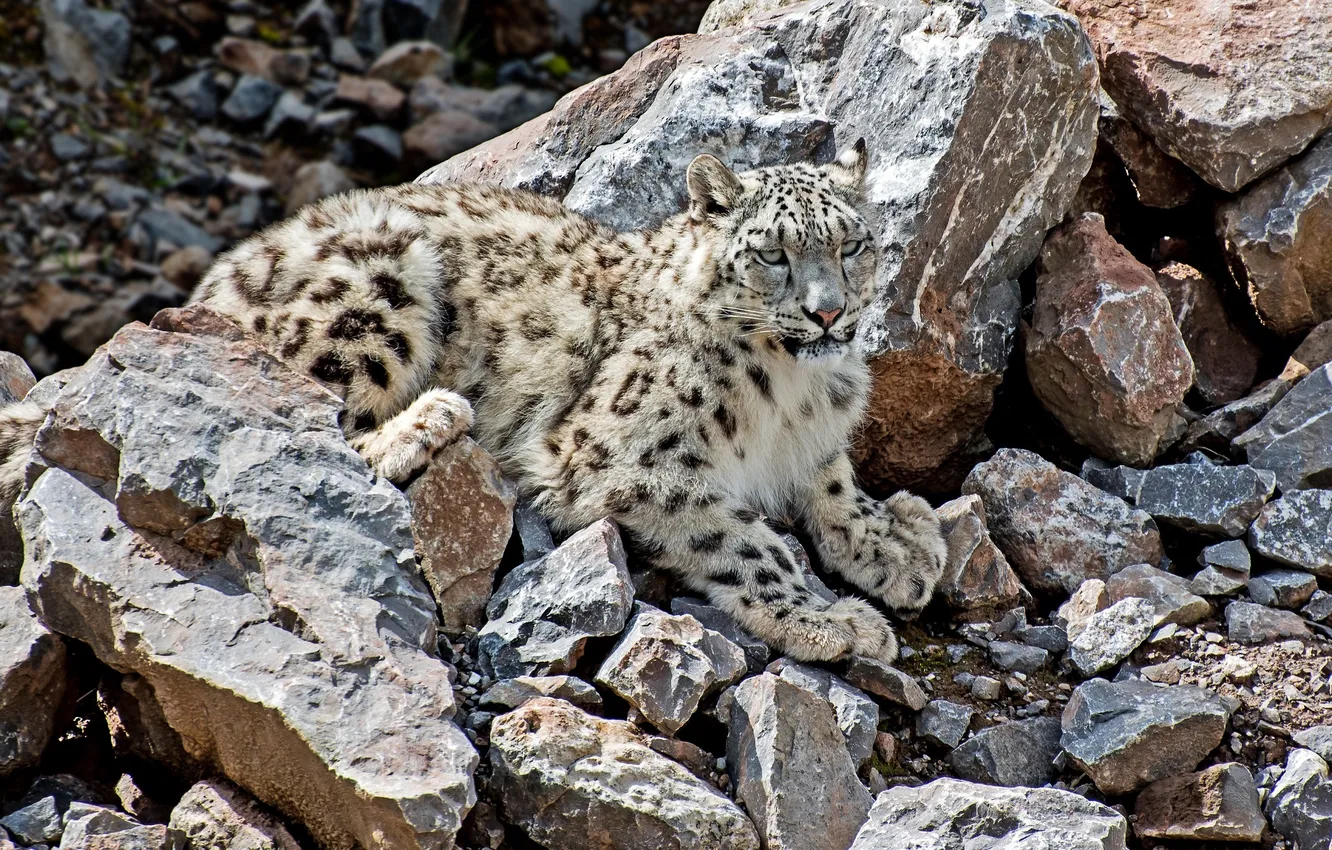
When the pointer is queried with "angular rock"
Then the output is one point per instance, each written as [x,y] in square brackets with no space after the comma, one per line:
[1056,529]
[163,224]
[1225,569]
[86,825]
[1282,588]
[1229,90]
[378,146]
[1276,236]
[1104,355]
[571,781]
[139,728]
[1122,481]
[1314,351]
[89,45]
[791,768]
[316,180]
[1169,594]
[1090,597]
[1217,804]
[1225,360]
[1007,655]
[1319,608]
[945,723]
[1316,738]
[841,69]
[246,56]
[250,99]
[857,715]
[16,378]
[1126,735]
[1294,439]
[36,823]
[948,813]
[712,617]
[290,118]
[378,98]
[1300,805]
[534,535]
[1020,753]
[512,693]
[545,611]
[408,61]
[32,682]
[977,576]
[445,134]
[1297,530]
[244,561]
[886,682]
[218,814]
[1254,624]
[1205,499]
[1111,635]
[664,665]
[1216,430]
[198,93]
[462,518]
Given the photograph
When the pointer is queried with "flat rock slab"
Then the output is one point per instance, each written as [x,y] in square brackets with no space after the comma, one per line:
[1110,636]
[886,682]
[32,682]
[1056,529]
[1297,530]
[1294,439]
[1198,497]
[1232,90]
[1019,753]
[205,526]
[1126,735]
[944,723]
[1169,594]
[1249,623]
[977,577]
[512,693]
[544,612]
[664,665]
[218,814]
[791,768]
[572,781]
[948,813]
[1216,804]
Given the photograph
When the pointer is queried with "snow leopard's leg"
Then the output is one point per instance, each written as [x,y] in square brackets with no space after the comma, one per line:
[18,429]
[726,552]
[892,550]
[403,444]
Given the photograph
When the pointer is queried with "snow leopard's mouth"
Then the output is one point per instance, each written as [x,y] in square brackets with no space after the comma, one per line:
[823,348]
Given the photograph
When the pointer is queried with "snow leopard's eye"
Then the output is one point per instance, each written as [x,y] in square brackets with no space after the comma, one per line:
[775,257]
[851,249]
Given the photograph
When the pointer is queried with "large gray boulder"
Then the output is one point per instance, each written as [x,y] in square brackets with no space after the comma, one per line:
[204,525]
[1300,805]
[1294,439]
[1297,530]
[32,682]
[979,126]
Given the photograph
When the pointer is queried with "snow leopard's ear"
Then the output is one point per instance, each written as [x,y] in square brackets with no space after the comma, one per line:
[713,188]
[848,170]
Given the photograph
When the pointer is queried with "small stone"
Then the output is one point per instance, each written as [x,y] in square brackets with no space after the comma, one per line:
[857,715]
[1316,738]
[1126,735]
[977,575]
[343,54]
[290,118]
[32,682]
[1254,624]
[664,665]
[1294,439]
[534,535]
[378,145]
[1206,499]
[1019,753]
[198,93]
[250,99]
[1296,530]
[246,56]
[885,747]
[1111,635]
[1214,581]
[1217,804]
[1319,608]
[1238,669]
[314,181]
[67,148]
[408,61]
[1169,594]
[791,767]
[887,682]
[1090,597]
[85,822]
[1007,655]
[1300,804]
[83,43]
[987,688]
[35,823]
[380,99]
[945,723]
[216,813]
[512,693]
[1282,588]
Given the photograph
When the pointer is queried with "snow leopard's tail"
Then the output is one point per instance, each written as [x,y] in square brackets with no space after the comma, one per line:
[18,429]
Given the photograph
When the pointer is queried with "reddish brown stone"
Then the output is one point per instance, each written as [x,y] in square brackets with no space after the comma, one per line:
[1225,360]
[977,578]
[1159,179]
[445,134]
[377,97]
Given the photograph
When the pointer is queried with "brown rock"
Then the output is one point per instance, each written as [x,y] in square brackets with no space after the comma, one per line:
[1159,179]
[445,134]
[16,378]
[139,729]
[1278,241]
[1225,360]
[185,266]
[408,61]
[217,814]
[1231,89]
[316,180]
[1217,804]
[245,56]
[32,682]
[977,578]
[462,517]
[377,97]
[1090,597]
[1315,351]
[1104,355]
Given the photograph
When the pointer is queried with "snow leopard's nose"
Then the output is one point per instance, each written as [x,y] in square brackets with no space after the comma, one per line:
[824,318]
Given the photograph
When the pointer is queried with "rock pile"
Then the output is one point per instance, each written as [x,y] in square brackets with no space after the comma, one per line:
[1129,646]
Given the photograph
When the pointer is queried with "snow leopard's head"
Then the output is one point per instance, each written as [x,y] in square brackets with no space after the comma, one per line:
[795,257]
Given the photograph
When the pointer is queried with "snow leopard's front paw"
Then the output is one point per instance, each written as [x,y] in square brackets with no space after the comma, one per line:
[907,535]
[403,445]
[846,627]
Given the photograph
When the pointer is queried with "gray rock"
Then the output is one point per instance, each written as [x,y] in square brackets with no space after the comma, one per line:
[781,92]
[1319,608]
[977,575]
[791,768]
[945,723]
[1225,569]
[1122,481]
[1019,753]
[1170,595]
[887,682]
[67,148]
[1282,588]
[218,814]
[1216,430]
[205,525]
[1205,499]
[1316,738]
[1052,639]
[86,44]
[378,145]
[1111,635]
[1126,735]
[1253,624]
[1297,530]
[1214,581]
[1090,597]
[344,54]
[290,118]
[572,781]
[512,693]
[664,665]
[545,611]
[165,225]
[250,99]
[1217,804]
[712,617]
[857,715]
[1056,529]
[534,535]
[1007,655]
[32,682]
[948,814]
[1300,805]
[1294,439]
[317,22]
[198,93]
[16,378]
[36,822]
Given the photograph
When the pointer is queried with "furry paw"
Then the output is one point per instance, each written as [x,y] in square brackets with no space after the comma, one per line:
[846,627]
[909,530]
[402,446]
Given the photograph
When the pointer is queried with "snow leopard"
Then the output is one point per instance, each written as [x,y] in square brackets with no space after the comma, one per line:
[688,381]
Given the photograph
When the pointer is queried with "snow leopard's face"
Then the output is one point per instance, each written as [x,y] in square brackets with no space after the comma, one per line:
[797,255]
